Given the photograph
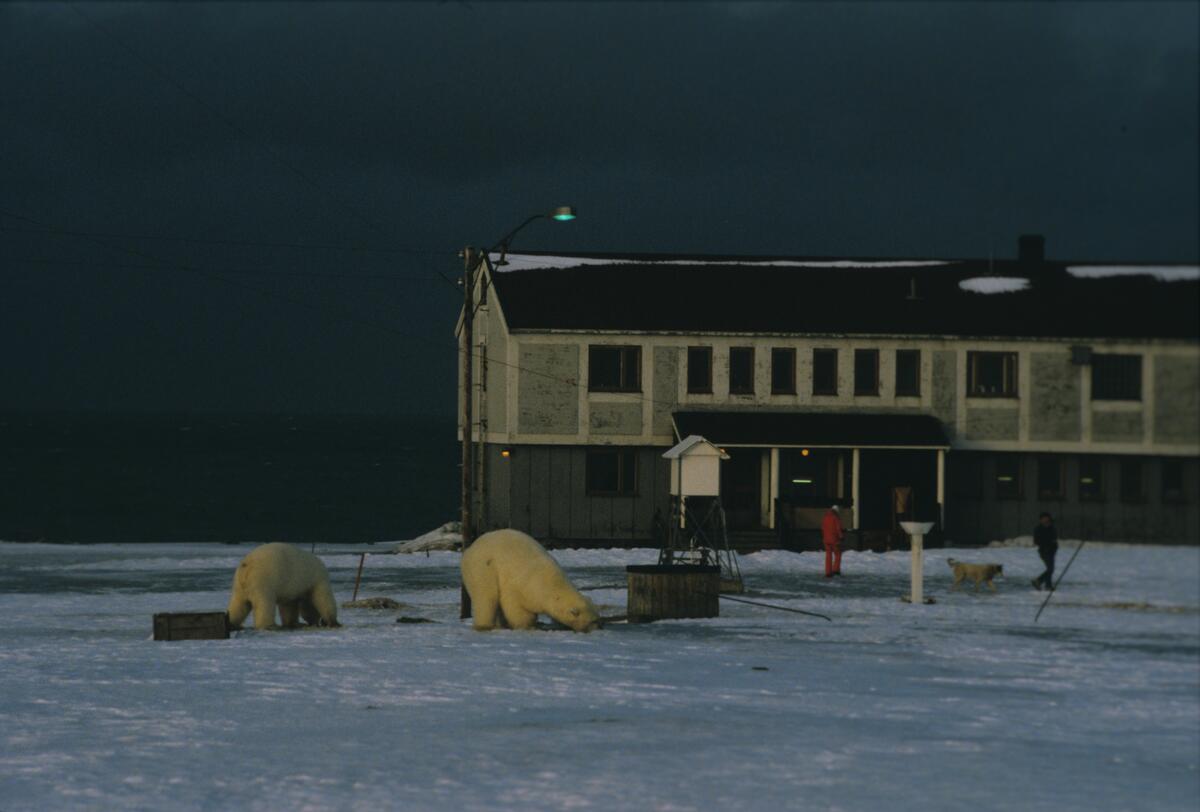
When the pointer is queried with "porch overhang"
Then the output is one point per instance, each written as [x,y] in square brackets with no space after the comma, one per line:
[796,429]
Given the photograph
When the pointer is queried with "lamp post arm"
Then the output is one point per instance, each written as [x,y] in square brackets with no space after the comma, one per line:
[507,238]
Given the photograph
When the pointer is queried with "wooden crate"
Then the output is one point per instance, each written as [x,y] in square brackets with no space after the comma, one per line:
[660,591]
[191,626]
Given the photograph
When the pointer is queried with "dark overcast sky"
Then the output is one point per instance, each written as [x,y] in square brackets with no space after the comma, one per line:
[404,131]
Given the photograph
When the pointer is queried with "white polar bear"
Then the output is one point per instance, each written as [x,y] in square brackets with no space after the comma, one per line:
[281,575]
[512,579]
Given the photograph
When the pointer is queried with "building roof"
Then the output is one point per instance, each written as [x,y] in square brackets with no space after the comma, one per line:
[957,297]
[816,429]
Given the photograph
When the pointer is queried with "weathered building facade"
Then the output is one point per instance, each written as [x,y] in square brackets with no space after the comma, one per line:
[971,393]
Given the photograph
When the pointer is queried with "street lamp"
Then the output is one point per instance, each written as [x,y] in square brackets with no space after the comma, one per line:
[472,259]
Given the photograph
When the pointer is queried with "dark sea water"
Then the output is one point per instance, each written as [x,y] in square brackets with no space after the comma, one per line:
[169,478]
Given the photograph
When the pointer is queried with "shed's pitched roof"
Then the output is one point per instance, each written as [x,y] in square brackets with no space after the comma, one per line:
[726,294]
[776,428]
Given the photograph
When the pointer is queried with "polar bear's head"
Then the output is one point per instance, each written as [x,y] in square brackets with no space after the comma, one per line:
[578,612]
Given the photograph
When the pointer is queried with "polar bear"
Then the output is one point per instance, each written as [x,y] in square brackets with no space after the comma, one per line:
[282,575]
[512,579]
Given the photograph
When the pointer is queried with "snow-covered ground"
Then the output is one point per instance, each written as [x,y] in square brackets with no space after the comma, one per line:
[965,704]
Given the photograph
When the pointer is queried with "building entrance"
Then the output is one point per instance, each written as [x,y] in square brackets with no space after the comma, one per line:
[742,488]
[897,486]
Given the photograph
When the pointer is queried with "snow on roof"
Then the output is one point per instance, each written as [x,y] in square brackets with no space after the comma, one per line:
[685,446]
[994,284]
[1163,273]
[532,262]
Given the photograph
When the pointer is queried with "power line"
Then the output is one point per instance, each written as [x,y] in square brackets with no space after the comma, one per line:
[324,309]
[238,271]
[236,243]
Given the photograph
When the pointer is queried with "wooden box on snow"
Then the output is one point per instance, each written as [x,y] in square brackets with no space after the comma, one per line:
[191,626]
[661,591]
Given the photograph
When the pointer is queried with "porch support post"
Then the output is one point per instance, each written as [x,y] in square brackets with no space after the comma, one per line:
[941,488]
[854,465]
[774,486]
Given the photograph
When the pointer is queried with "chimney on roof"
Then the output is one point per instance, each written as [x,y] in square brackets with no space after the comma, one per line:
[1031,249]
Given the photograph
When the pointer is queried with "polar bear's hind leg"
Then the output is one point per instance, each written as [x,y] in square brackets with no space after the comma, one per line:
[289,614]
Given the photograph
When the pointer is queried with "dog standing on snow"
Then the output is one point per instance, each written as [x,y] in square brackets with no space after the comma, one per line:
[979,573]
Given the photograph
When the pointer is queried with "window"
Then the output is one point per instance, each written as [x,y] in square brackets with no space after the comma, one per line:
[1008,476]
[614,369]
[992,374]
[1131,481]
[699,370]
[824,374]
[783,371]
[1172,480]
[741,370]
[1091,479]
[866,372]
[1116,377]
[611,472]
[1050,481]
[908,373]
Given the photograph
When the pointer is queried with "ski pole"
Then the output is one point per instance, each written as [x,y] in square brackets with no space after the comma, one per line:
[1062,575]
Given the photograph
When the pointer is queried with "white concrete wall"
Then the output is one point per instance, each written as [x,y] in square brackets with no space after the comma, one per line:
[1002,424]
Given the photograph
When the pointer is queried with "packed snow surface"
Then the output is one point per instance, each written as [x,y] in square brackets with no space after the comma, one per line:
[994,284]
[1163,273]
[965,704]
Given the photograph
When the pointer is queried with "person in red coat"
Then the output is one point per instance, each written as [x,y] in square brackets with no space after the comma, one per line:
[832,534]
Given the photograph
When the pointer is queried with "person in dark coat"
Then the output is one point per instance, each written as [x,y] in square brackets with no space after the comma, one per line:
[1045,536]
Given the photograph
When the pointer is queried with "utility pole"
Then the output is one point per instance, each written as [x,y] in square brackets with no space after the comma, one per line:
[472,260]
[468,362]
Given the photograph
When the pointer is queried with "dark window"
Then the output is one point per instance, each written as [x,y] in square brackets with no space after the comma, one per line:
[1132,489]
[614,369]
[866,372]
[1116,377]
[992,374]
[1050,481]
[1091,479]
[699,370]
[611,472]
[1008,476]
[783,371]
[824,374]
[908,372]
[1172,480]
[741,370]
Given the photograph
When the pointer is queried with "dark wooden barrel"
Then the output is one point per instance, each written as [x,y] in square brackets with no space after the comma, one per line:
[660,591]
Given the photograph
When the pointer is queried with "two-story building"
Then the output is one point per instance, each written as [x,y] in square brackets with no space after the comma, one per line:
[973,393]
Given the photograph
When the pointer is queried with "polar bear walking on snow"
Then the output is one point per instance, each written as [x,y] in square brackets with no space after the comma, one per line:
[282,575]
[512,579]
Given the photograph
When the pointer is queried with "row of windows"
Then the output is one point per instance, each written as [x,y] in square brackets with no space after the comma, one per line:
[619,369]
[989,374]
[1051,479]
[1114,377]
